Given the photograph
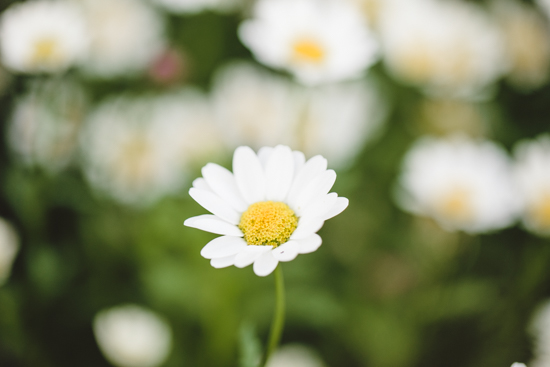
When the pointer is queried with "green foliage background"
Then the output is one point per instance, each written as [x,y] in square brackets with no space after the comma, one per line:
[386,289]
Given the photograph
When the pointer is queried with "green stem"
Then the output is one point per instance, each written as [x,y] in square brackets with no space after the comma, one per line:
[278,317]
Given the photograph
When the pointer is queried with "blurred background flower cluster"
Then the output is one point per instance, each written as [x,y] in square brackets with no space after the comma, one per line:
[434,114]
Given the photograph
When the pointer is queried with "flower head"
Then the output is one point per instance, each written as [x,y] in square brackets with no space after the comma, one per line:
[462,184]
[42,36]
[532,174]
[268,210]
[132,336]
[317,41]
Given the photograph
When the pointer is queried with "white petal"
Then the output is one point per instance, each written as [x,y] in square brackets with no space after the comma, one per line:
[211,223]
[287,251]
[312,168]
[338,207]
[265,264]
[279,171]
[248,255]
[223,184]
[318,187]
[307,227]
[309,244]
[200,183]
[249,175]
[299,161]
[263,155]
[223,246]
[223,262]
[215,205]
[319,206]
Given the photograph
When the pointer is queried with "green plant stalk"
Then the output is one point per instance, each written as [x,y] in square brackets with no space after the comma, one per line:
[278,317]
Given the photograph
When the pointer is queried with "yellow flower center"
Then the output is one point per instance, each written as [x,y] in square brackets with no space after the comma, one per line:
[45,51]
[456,205]
[268,223]
[540,213]
[306,50]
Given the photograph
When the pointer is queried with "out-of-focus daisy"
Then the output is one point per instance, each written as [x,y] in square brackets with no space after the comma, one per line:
[128,156]
[295,355]
[196,6]
[42,36]
[267,210]
[317,41]
[371,9]
[449,48]
[9,245]
[126,35]
[540,331]
[132,336]
[528,42]
[43,129]
[195,136]
[518,364]
[254,107]
[532,173]
[462,184]
[337,120]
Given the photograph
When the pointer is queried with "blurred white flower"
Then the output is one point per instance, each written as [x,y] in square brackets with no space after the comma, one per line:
[371,9]
[196,6]
[462,184]
[196,136]
[540,331]
[126,35]
[268,210]
[130,155]
[532,173]
[45,123]
[518,365]
[9,245]
[527,39]
[42,36]
[339,119]
[317,41]
[256,108]
[295,355]
[449,48]
[132,336]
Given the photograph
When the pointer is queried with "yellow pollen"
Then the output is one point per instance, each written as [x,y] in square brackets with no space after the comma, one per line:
[540,212]
[268,223]
[308,51]
[45,51]
[456,205]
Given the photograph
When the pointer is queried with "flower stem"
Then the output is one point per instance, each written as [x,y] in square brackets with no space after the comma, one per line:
[278,317]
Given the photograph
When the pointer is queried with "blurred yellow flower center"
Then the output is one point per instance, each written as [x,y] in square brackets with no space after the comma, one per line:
[541,212]
[308,51]
[45,51]
[456,205]
[268,223]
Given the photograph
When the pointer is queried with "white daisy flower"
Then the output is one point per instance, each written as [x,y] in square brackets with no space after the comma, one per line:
[462,184]
[518,364]
[358,109]
[257,108]
[532,174]
[132,336]
[9,245]
[295,355]
[527,42]
[45,123]
[130,155]
[268,210]
[42,36]
[197,6]
[254,107]
[317,41]
[126,35]
[540,331]
[449,48]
